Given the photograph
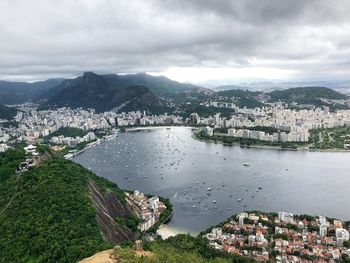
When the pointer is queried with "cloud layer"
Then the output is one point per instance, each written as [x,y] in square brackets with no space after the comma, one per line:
[290,39]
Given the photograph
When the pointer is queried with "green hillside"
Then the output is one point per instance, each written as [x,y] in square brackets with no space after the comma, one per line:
[180,249]
[241,98]
[99,92]
[7,112]
[305,94]
[47,213]
[52,213]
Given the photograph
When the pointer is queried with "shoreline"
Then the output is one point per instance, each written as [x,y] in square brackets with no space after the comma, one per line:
[92,144]
[140,128]
[269,147]
[166,231]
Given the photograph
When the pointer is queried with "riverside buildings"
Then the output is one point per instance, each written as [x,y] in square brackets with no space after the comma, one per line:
[148,209]
[293,125]
[32,124]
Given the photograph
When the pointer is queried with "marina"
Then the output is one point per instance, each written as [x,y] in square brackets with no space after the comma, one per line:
[207,182]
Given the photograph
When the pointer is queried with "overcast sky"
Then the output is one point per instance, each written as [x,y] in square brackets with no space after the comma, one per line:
[185,40]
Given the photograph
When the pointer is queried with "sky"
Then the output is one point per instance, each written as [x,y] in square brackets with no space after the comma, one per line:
[186,40]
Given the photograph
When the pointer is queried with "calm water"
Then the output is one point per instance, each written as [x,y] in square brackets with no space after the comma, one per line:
[172,164]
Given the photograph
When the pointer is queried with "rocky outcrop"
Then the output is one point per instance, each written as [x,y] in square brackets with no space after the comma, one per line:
[101,93]
[108,207]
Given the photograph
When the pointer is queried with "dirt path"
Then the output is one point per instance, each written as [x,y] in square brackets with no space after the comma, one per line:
[100,257]
[104,256]
[13,196]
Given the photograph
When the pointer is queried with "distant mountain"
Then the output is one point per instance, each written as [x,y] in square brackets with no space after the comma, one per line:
[228,87]
[42,91]
[102,92]
[7,113]
[240,97]
[342,86]
[159,85]
[300,95]
[20,92]
[305,95]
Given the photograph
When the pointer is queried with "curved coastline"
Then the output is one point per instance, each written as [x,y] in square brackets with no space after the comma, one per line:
[266,147]
[269,147]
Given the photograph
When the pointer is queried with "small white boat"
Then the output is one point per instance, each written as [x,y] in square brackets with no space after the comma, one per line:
[246,164]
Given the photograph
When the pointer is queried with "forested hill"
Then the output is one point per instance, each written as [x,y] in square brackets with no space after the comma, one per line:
[20,92]
[317,96]
[305,94]
[61,212]
[99,92]
[242,98]
[57,212]
[7,113]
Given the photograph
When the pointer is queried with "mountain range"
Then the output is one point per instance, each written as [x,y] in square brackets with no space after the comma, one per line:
[20,92]
[144,92]
[342,86]
[102,92]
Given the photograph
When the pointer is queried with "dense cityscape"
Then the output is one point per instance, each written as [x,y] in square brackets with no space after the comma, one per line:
[288,125]
[283,237]
[187,131]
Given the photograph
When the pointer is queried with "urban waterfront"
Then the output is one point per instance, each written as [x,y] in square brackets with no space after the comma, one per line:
[208,182]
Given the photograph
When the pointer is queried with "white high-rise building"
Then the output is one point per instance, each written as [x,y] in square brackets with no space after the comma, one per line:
[323,230]
[241,221]
[342,235]
[285,217]
[216,232]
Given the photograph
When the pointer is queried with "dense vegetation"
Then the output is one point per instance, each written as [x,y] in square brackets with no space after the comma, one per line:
[241,98]
[69,132]
[7,113]
[101,93]
[334,138]
[9,162]
[130,221]
[51,217]
[159,85]
[204,111]
[306,95]
[180,249]
[20,92]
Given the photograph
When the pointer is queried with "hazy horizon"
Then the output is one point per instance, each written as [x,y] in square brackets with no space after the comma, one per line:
[187,41]
[209,83]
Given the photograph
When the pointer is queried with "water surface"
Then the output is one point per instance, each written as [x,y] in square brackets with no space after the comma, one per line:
[170,163]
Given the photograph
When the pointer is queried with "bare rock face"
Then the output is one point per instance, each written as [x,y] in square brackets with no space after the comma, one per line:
[107,208]
[114,206]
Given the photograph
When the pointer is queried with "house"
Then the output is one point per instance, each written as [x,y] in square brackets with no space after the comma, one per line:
[31,149]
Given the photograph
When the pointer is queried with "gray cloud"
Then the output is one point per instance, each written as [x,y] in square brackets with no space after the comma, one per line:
[40,39]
